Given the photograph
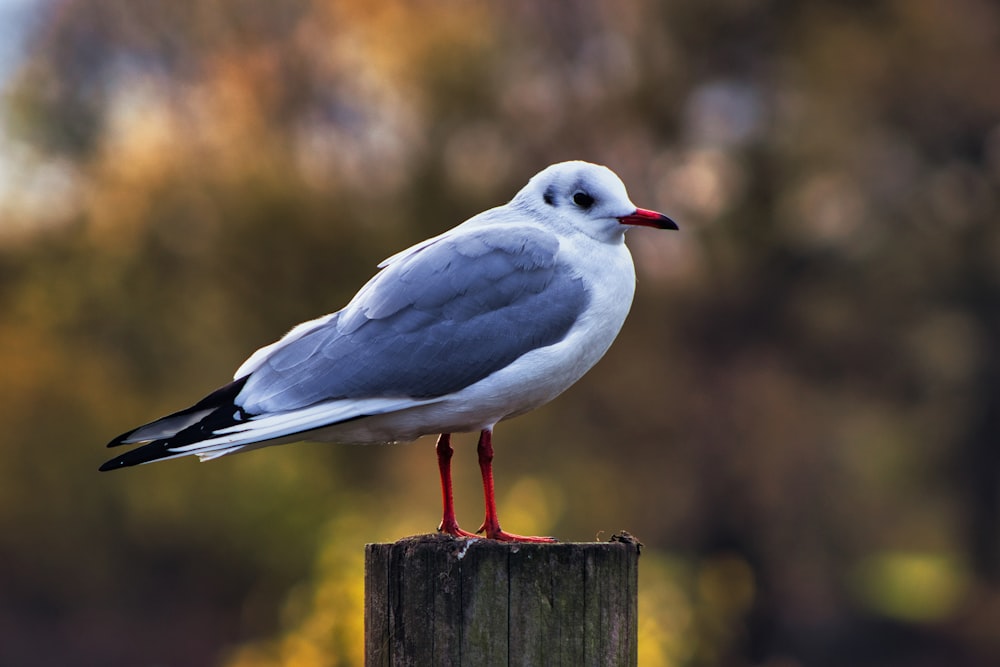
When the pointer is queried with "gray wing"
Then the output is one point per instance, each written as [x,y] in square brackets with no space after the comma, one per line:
[431,324]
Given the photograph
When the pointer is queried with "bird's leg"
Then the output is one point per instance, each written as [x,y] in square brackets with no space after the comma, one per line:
[448,522]
[491,525]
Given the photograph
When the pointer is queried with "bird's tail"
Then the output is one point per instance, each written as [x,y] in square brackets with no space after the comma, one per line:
[216,426]
[216,411]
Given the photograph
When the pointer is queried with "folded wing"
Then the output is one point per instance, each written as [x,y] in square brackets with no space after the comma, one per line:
[429,325]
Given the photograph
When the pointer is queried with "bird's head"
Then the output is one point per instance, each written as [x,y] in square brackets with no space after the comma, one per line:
[586,197]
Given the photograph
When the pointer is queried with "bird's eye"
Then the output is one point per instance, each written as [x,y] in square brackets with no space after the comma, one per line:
[583,200]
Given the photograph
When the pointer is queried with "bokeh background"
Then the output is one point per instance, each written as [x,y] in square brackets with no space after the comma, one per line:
[800,420]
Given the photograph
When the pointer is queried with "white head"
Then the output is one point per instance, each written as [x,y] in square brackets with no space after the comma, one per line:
[588,198]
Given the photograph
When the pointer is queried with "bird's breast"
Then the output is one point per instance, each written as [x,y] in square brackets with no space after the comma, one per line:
[540,375]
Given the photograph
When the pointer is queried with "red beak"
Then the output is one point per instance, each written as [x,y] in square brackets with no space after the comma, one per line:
[646,218]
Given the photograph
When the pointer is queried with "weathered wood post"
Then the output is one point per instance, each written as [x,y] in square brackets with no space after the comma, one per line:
[437,600]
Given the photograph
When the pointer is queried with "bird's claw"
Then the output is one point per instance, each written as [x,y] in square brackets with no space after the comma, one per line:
[491,533]
[451,528]
[496,533]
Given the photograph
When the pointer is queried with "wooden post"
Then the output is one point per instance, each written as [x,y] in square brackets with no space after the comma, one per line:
[439,600]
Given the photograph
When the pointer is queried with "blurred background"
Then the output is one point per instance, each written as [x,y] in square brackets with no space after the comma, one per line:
[800,420]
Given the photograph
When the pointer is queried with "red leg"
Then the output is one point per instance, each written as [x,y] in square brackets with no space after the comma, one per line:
[448,522]
[491,525]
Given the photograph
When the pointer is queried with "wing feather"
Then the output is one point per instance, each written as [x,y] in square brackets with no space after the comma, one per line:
[430,323]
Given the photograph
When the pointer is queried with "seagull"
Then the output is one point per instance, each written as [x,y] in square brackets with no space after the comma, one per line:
[485,322]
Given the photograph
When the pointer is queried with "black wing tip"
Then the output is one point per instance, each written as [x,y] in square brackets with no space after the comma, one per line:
[117,463]
[152,451]
[221,397]
[113,464]
[157,449]
[120,440]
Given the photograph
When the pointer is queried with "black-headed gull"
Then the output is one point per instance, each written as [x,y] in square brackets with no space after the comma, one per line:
[484,322]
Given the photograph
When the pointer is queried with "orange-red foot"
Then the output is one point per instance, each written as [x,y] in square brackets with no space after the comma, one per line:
[504,536]
[496,533]
[451,528]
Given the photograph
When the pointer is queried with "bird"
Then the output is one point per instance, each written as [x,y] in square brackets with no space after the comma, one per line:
[484,322]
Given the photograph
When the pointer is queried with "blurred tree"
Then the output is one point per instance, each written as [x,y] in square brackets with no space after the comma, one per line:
[800,419]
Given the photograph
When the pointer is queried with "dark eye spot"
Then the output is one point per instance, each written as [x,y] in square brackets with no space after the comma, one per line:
[583,200]
[548,197]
